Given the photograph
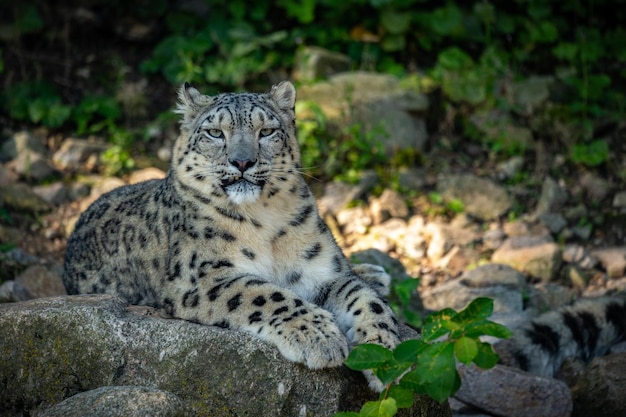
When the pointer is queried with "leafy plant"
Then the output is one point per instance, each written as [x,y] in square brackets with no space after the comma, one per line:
[428,365]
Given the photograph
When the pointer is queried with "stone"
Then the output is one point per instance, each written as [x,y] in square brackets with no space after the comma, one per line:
[21,197]
[531,255]
[555,222]
[389,204]
[532,92]
[510,167]
[37,281]
[505,391]
[354,220]
[613,260]
[595,188]
[56,193]
[337,195]
[481,197]
[32,166]
[74,152]
[54,348]
[500,282]
[599,391]
[389,112]
[6,176]
[619,200]
[116,401]
[443,237]
[20,142]
[577,254]
[313,63]
[546,296]
[552,199]
[145,175]
[499,127]
[412,179]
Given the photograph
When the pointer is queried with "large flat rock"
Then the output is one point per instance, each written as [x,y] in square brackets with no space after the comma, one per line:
[54,348]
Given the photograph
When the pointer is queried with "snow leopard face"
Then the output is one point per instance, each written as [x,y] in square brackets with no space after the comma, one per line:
[237,145]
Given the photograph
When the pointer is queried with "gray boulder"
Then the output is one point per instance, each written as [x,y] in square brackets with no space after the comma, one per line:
[127,401]
[55,348]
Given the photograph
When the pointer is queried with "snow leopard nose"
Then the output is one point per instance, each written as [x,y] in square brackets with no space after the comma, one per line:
[242,164]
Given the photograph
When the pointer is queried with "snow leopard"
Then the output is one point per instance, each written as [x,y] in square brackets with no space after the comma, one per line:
[232,237]
[582,331]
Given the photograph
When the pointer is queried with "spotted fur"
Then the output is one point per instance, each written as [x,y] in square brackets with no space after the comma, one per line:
[232,237]
[583,331]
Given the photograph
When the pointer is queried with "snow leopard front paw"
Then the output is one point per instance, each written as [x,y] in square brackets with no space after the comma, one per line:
[312,338]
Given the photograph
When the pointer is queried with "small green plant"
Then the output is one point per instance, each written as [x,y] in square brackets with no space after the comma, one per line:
[400,301]
[428,365]
[592,154]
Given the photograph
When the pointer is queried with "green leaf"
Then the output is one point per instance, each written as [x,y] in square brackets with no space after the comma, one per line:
[384,408]
[454,58]
[594,154]
[407,351]
[434,324]
[390,371]
[487,328]
[404,397]
[466,349]
[347,414]
[480,308]
[368,356]
[566,51]
[435,373]
[395,22]
[405,289]
[486,358]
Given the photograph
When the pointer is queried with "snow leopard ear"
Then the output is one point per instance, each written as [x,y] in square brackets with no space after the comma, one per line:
[190,101]
[284,94]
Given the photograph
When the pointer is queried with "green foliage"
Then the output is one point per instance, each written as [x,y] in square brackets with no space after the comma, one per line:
[400,300]
[428,365]
[593,154]
[36,102]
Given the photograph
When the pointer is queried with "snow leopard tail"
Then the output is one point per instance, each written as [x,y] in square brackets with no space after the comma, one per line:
[582,331]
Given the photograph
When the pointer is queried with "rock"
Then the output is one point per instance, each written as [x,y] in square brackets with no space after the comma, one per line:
[595,187]
[6,291]
[531,93]
[22,141]
[493,238]
[384,237]
[500,282]
[552,197]
[619,200]
[74,152]
[555,222]
[389,204]
[56,193]
[547,296]
[354,220]
[55,348]
[499,127]
[22,198]
[599,391]
[6,176]
[505,391]
[413,243]
[37,281]
[337,195]
[481,197]
[32,166]
[376,102]
[443,237]
[613,260]
[412,178]
[573,253]
[576,277]
[145,175]
[314,63]
[510,168]
[127,401]
[532,255]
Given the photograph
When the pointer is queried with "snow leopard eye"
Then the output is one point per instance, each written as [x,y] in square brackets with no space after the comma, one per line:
[214,133]
[266,132]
